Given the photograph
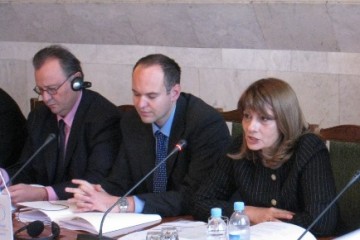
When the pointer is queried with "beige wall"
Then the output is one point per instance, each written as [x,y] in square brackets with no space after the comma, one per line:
[222,46]
[327,83]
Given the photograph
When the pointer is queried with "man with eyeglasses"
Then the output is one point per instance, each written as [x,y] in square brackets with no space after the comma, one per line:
[85,123]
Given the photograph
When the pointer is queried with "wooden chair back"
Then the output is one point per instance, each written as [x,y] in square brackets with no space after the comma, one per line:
[233,117]
[342,133]
[126,107]
[34,102]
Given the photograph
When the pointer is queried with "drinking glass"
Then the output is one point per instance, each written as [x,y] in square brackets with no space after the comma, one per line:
[169,233]
[153,235]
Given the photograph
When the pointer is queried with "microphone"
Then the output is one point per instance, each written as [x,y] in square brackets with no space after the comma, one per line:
[178,147]
[351,182]
[47,141]
[35,228]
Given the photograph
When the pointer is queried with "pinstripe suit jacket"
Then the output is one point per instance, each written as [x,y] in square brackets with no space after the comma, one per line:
[304,185]
[207,136]
[91,149]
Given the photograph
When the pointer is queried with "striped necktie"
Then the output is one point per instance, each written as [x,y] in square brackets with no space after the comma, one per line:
[61,152]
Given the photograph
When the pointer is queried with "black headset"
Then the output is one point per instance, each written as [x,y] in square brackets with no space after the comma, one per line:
[78,83]
[34,229]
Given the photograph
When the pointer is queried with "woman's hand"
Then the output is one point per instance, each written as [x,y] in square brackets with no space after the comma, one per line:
[259,214]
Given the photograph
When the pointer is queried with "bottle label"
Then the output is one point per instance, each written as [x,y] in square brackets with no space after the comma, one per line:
[234,237]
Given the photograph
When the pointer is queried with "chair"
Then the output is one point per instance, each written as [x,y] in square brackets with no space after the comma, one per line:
[34,102]
[126,107]
[344,147]
[234,117]
[343,133]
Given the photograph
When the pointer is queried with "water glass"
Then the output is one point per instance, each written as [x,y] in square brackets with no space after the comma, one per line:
[169,233]
[153,235]
[226,219]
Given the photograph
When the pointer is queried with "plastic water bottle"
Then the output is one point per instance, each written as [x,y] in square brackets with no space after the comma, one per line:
[239,224]
[216,228]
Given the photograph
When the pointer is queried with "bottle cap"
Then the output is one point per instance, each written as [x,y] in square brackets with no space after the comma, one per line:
[239,206]
[216,212]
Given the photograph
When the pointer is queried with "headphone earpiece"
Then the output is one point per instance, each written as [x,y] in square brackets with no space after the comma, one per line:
[34,229]
[78,83]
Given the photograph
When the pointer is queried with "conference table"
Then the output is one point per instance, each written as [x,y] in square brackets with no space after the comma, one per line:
[71,234]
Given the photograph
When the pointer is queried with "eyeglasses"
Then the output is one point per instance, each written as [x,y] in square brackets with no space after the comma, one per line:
[51,90]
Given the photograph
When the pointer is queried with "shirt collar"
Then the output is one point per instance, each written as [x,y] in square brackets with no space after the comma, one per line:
[69,118]
[167,126]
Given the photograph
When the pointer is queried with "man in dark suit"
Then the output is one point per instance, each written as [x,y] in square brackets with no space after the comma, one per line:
[160,106]
[86,125]
[12,130]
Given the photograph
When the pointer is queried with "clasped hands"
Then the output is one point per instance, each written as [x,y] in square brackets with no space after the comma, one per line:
[92,197]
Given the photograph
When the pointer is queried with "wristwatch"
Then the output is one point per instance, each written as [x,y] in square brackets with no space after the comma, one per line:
[123,205]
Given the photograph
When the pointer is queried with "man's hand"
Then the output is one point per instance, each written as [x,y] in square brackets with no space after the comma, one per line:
[25,193]
[90,197]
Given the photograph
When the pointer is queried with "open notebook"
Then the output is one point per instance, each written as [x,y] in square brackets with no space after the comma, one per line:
[66,216]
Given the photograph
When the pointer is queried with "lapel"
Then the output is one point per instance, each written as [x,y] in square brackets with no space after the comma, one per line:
[177,132]
[77,125]
[50,153]
[145,156]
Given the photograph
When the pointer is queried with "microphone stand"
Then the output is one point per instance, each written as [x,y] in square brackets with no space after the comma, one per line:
[178,147]
[351,182]
[47,141]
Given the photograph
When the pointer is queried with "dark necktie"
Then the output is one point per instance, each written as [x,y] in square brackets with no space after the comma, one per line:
[61,151]
[160,176]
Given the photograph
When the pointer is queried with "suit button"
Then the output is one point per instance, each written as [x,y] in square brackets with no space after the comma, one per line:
[273,202]
[273,177]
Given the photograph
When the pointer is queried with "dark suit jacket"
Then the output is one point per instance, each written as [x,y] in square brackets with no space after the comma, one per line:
[12,130]
[207,137]
[91,149]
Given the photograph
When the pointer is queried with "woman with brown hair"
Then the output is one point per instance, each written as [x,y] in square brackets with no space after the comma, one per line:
[282,172]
